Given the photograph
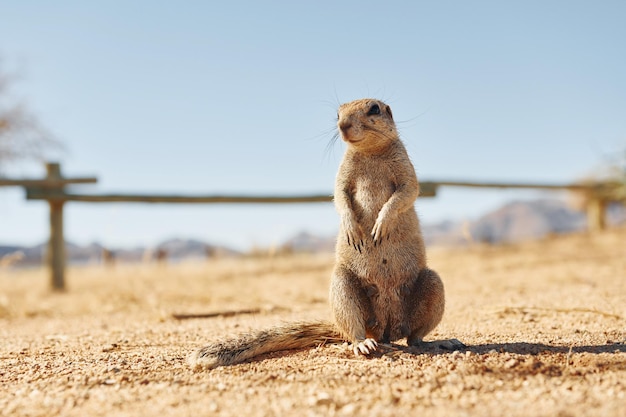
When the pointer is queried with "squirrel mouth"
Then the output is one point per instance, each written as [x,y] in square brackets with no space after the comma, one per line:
[352,141]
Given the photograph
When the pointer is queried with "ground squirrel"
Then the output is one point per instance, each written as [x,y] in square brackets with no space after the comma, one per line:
[381,289]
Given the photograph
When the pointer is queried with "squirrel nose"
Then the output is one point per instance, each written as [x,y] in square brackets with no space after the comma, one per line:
[344,126]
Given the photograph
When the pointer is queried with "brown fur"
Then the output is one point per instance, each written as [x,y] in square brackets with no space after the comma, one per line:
[381,289]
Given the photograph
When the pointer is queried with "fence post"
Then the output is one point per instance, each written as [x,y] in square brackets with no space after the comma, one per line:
[596,214]
[56,245]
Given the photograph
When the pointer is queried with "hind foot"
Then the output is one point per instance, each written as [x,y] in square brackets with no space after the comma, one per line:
[448,344]
[364,347]
[451,344]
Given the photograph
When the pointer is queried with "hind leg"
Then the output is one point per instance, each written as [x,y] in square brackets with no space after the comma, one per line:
[425,304]
[352,310]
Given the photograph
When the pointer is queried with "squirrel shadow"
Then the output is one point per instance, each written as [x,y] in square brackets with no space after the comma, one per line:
[443,347]
[440,347]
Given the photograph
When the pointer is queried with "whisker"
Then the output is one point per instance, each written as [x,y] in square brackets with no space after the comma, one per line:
[380,132]
[331,144]
[330,104]
[323,133]
[412,119]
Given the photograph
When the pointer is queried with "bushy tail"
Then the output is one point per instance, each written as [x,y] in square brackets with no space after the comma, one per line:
[289,336]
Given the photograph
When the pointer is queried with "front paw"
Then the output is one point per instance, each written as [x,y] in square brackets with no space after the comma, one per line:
[380,231]
[354,235]
[354,241]
[383,225]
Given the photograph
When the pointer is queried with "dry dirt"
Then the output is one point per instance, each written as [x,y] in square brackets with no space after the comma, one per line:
[544,323]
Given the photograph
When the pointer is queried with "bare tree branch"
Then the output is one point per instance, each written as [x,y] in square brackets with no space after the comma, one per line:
[21,135]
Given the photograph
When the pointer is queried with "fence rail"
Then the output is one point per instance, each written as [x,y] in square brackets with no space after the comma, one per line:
[52,189]
[173,199]
[593,186]
[47,182]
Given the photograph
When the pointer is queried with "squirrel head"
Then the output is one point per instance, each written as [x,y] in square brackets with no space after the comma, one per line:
[366,125]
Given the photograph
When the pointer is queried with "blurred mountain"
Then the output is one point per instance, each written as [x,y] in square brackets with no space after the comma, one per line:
[513,222]
[179,249]
[307,242]
[517,221]
[172,250]
[527,220]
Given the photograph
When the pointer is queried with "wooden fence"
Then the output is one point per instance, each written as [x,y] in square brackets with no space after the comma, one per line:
[52,189]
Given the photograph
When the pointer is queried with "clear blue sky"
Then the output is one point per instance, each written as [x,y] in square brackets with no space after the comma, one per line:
[240,97]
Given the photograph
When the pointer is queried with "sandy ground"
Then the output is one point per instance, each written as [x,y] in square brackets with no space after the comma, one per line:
[544,322]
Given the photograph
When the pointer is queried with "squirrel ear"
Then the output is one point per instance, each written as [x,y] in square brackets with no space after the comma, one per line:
[388,110]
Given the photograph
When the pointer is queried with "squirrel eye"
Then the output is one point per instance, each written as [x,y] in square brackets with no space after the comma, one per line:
[374,109]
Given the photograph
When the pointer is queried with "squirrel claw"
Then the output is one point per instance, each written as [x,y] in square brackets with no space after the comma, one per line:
[364,347]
